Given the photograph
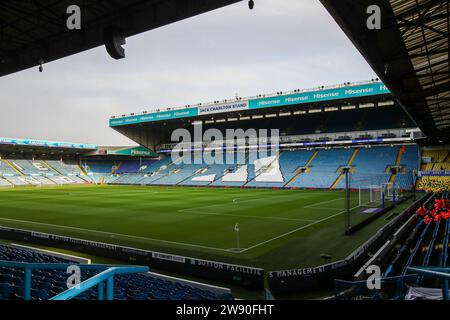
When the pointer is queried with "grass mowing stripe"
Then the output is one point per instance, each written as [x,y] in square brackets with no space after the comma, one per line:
[112,234]
[298,229]
[273,223]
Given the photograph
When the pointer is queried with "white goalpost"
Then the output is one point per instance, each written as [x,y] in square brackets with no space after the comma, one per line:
[370,195]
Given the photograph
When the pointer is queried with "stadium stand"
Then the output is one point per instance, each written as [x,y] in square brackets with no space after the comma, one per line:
[323,169]
[48,283]
[420,242]
[291,169]
[435,169]
[21,172]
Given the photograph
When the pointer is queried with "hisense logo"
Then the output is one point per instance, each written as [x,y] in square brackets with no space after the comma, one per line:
[213,147]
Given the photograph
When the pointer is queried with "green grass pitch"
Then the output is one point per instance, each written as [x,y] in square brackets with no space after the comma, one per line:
[277,228]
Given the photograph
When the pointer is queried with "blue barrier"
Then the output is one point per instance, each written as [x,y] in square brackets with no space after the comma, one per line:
[434,272]
[99,280]
[105,276]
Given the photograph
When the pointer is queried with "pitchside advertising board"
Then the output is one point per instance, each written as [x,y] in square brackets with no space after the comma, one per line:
[277,101]
[443,173]
[249,277]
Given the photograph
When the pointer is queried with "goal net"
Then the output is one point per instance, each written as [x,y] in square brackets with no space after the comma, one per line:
[370,196]
[391,191]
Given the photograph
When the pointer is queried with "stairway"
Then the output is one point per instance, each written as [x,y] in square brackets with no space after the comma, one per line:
[6,181]
[397,163]
[114,170]
[341,175]
[314,155]
[51,168]
[13,167]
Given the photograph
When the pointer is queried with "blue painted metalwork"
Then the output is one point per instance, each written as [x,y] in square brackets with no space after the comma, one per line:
[109,270]
[444,255]
[106,276]
[430,249]
[435,272]
[415,250]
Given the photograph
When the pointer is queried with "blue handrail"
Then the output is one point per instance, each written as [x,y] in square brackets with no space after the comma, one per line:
[106,276]
[29,267]
[430,249]
[436,272]
[416,249]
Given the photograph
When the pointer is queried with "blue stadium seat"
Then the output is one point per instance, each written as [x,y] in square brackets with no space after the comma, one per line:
[47,283]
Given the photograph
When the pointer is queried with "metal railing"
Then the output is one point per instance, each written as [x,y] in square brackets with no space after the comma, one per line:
[435,272]
[106,276]
[259,96]
[104,282]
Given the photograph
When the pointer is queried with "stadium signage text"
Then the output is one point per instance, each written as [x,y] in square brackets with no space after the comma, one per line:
[297,272]
[355,91]
[228,273]
[44,143]
[320,95]
[227,107]
[442,173]
[225,266]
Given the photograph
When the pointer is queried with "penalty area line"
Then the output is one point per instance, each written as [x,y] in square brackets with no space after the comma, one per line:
[295,230]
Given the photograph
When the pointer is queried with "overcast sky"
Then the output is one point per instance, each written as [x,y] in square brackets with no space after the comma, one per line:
[280,45]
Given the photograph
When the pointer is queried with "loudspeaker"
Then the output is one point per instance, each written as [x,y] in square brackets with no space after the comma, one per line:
[114,39]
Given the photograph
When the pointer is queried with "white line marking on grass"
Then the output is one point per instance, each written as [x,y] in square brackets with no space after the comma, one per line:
[295,230]
[192,211]
[114,235]
[196,210]
[317,204]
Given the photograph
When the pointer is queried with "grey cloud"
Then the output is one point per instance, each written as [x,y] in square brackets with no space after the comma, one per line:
[281,45]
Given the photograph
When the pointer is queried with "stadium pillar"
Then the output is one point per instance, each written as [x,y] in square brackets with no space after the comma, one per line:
[27,284]
[101,291]
[110,288]
[414,184]
[445,294]
[347,199]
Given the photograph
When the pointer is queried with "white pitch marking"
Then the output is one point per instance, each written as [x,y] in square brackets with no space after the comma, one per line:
[192,211]
[112,234]
[317,204]
[295,230]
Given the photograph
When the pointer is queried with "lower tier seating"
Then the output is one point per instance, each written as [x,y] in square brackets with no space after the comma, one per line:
[319,168]
[48,283]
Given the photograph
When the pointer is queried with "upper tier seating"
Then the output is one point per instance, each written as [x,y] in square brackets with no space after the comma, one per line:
[48,283]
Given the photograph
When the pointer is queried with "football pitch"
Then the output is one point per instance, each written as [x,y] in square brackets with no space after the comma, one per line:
[247,226]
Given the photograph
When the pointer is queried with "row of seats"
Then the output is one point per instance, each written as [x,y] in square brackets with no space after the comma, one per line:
[422,241]
[293,169]
[48,283]
[435,162]
[23,172]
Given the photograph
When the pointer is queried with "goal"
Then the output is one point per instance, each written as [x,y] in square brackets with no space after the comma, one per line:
[370,196]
